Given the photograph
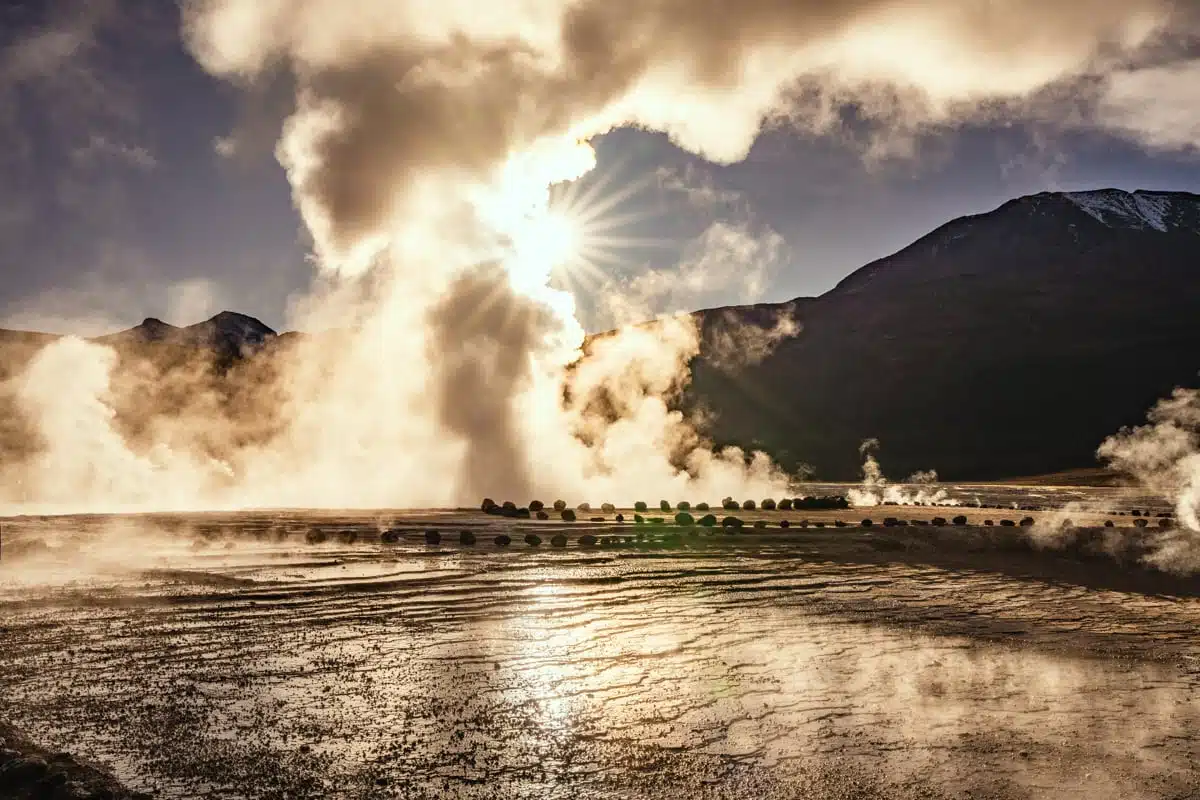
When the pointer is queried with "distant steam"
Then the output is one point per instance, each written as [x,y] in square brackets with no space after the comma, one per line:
[875,489]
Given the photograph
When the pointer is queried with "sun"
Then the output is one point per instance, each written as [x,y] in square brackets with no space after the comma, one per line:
[546,240]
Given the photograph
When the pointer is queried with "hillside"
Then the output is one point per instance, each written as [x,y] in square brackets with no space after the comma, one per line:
[1010,343]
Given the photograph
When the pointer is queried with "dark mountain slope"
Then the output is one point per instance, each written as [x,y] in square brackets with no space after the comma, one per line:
[1003,344]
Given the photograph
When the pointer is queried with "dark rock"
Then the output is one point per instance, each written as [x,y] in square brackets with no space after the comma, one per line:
[433,537]
[988,523]
[768,505]
[597,519]
[684,519]
[543,516]
[316,537]
[536,505]
[584,507]
[702,506]
[619,518]
[891,522]
[466,537]
[1141,522]
[638,519]
[760,523]
[866,523]
[640,506]
[1027,522]
[532,539]
[732,522]
[488,505]
[391,537]
[568,515]
[708,521]
[729,504]
[509,505]
[1108,523]
[938,521]
[783,523]
[587,540]
[664,505]
[1008,523]
[607,508]
[560,505]
[960,520]
[785,504]
[558,540]
[748,505]
[502,540]
[684,506]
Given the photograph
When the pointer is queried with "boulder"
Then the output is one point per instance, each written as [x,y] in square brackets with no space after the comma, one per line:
[785,504]
[684,506]
[1007,523]
[783,523]
[760,524]
[536,505]
[732,522]
[1141,522]
[560,505]
[558,540]
[532,539]
[584,507]
[433,537]
[391,536]
[607,508]
[748,505]
[684,519]
[619,518]
[708,521]
[640,506]
[768,505]
[702,506]
[543,516]
[866,523]
[568,515]
[587,540]
[502,540]
[1027,522]
[960,520]
[488,505]
[729,504]
[939,521]
[466,537]
[664,505]
[988,523]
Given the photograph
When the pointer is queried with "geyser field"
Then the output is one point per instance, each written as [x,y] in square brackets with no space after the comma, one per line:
[310,654]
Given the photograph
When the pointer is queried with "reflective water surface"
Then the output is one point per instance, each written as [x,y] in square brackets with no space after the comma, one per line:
[252,666]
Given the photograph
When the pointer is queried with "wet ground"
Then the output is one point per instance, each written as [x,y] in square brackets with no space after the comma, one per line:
[227,656]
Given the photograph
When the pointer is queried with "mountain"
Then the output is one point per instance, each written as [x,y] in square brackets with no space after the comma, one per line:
[1004,344]
[1008,343]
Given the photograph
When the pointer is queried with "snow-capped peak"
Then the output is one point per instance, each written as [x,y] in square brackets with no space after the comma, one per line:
[1117,208]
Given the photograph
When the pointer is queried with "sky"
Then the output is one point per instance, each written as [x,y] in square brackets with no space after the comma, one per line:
[134,183]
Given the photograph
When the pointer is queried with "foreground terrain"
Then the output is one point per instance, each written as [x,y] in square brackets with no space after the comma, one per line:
[235,655]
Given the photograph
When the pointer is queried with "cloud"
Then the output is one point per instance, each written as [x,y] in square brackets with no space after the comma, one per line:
[1158,106]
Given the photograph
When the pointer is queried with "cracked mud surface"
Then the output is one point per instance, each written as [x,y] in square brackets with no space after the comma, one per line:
[814,664]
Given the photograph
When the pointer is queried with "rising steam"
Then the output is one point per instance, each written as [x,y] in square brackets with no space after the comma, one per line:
[421,150]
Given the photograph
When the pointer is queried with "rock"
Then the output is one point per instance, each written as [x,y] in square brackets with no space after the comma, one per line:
[1027,522]
[960,520]
[1108,523]
[732,522]
[760,524]
[433,537]
[640,506]
[748,505]
[532,539]
[522,513]
[620,518]
[1008,523]
[729,504]
[560,505]
[1135,513]
[509,505]
[988,523]
[607,508]
[536,506]
[1164,522]
[663,505]
[568,515]
[502,540]
[702,506]
[597,519]
[487,505]
[587,540]
[891,522]
[466,537]
[785,504]
[783,523]
[837,523]
[638,519]
[559,540]
[584,507]
[866,523]
[939,521]
[543,516]
[684,506]
[684,519]
[1141,522]
[391,537]
[768,505]
[316,537]
[708,521]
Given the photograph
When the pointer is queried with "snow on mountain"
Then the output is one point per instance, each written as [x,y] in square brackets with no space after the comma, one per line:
[1160,211]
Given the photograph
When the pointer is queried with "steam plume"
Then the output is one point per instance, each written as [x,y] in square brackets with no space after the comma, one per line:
[422,144]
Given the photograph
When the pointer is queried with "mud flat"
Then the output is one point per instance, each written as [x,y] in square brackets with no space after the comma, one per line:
[236,656]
